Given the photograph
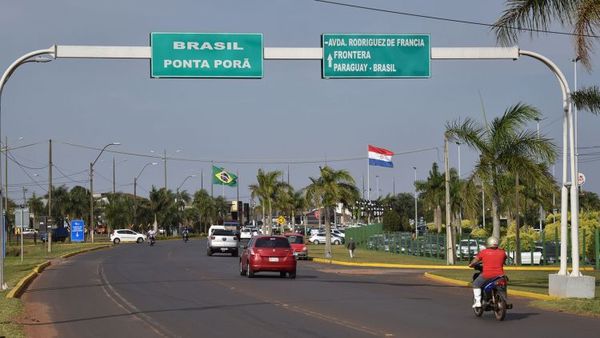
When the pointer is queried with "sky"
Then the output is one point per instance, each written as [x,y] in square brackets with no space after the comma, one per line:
[290,120]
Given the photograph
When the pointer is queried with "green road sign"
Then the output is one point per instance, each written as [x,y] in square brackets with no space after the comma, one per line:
[376,56]
[207,55]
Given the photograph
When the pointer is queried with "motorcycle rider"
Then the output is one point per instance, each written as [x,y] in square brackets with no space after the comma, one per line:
[151,235]
[185,234]
[493,260]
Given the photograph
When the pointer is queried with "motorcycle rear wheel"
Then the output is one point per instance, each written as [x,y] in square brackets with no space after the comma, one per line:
[499,307]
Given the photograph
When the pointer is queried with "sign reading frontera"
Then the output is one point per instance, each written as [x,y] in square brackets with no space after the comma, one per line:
[207,55]
[376,56]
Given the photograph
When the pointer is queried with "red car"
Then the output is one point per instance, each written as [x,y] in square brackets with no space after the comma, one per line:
[268,253]
[297,243]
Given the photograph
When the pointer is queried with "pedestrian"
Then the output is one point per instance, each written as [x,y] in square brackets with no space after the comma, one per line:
[351,246]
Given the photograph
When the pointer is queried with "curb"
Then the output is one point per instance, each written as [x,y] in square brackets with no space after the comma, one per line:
[518,293]
[435,267]
[18,290]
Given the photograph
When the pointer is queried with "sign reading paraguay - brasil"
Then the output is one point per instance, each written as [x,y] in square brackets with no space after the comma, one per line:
[207,55]
[376,56]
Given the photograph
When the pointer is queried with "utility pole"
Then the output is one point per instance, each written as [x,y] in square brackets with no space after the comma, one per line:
[23,220]
[6,176]
[449,237]
[48,219]
[165,163]
[517,225]
[92,201]
[113,175]
[416,214]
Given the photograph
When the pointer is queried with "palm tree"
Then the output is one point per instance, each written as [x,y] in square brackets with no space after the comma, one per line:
[79,203]
[265,190]
[60,204]
[504,148]
[206,208]
[433,193]
[331,188]
[119,211]
[582,15]
[36,205]
[163,206]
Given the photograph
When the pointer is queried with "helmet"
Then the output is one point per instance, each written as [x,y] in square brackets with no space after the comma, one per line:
[492,242]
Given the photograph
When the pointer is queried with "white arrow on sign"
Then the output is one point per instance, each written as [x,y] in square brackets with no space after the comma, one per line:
[330,61]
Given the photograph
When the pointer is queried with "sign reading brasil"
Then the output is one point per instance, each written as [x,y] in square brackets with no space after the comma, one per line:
[376,56]
[77,231]
[207,55]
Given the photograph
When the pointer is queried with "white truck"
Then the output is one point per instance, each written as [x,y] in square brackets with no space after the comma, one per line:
[222,241]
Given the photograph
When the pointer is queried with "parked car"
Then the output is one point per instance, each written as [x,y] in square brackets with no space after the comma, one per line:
[268,253]
[469,246]
[538,257]
[223,241]
[29,232]
[58,235]
[319,238]
[339,233]
[297,242]
[126,235]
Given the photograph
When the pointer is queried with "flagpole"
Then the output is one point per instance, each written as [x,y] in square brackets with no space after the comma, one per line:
[368,191]
[237,199]
[212,170]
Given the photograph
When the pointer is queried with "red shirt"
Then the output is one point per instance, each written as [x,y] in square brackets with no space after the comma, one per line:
[493,260]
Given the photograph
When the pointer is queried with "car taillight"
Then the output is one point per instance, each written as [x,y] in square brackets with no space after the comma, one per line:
[501,282]
[251,251]
[212,237]
[304,249]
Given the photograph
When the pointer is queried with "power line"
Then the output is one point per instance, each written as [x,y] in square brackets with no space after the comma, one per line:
[250,161]
[439,18]
[12,158]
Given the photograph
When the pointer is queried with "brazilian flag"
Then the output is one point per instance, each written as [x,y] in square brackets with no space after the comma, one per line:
[221,176]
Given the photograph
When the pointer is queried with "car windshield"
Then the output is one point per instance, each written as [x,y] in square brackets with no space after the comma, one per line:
[295,239]
[272,242]
[223,232]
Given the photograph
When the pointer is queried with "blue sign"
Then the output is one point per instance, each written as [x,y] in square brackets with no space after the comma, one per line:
[77,231]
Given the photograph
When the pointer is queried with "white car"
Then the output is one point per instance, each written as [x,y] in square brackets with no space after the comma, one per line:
[245,234]
[467,246]
[222,241]
[126,235]
[338,233]
[526,256]
[319,238]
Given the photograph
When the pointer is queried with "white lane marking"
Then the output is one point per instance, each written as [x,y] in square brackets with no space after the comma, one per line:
[130,308]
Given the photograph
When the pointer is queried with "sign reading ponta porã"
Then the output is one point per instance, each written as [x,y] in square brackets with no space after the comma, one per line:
[376,56]
[207,55]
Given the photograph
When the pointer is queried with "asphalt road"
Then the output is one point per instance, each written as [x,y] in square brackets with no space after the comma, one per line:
[174,290]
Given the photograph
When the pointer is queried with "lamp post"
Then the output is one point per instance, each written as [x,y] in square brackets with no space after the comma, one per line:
[92,186]
[135,190]
[40,56]
[179,187]
[416,221]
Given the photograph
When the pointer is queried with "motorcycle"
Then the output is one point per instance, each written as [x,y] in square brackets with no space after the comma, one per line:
[185,237]
[152,240]
[493,295]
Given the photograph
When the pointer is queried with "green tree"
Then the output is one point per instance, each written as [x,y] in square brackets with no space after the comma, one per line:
[60,204]
[36,206]
[331,188]
[504,148]
[163,206]
[119,211]
[391,221]
[589,201]
[266,188]
[404,205]
[206,208]
[433,193]
[582,15]
[78,206]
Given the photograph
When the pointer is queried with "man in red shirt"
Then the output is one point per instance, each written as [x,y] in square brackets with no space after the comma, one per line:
[493,260]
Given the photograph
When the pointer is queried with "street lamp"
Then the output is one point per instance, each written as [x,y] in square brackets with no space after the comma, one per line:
[92,186]
[135,190]
[40,56]
[179,187]
[416,221]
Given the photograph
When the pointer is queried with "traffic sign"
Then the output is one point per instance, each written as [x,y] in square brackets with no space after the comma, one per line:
[580,179]
[376,56]
[207,55]
[280,220]
[77,231]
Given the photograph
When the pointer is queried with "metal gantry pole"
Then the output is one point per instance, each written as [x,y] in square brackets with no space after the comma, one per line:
[416,213]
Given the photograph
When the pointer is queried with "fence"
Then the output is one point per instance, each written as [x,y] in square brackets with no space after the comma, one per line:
[545,251]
